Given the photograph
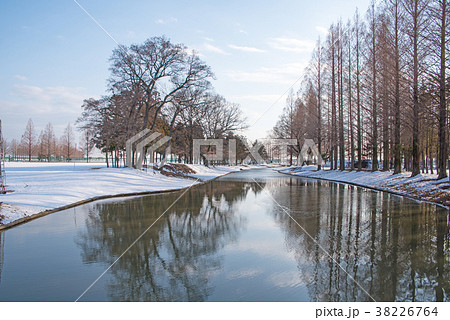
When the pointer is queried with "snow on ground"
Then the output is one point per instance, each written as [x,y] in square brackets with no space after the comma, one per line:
[208,173]
[423,186]
[40,186]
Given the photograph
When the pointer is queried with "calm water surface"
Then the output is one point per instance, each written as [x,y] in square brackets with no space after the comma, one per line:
[228,240]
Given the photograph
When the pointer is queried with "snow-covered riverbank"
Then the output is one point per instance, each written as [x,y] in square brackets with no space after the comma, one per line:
[422,186]
[38,187]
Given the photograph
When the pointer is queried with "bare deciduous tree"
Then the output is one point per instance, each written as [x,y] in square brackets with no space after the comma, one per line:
[155,71]
[29,138]
[67,140]
[48,141]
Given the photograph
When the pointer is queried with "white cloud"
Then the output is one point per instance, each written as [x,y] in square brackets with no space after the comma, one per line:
[256,97]
[286,73]
[50,99]
[58,105]
[322,30]
[291,44]
[209,47]
[246,49]
[166,21]
[20,77]
[8,107]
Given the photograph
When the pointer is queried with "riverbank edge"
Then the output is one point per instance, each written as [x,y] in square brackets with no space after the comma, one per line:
[104,197]
[369,187]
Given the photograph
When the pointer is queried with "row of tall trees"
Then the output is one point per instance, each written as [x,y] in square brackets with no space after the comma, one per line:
[46,146]
[377,88]
[163,87]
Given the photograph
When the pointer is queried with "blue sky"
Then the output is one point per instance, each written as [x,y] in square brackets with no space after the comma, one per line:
[53,55]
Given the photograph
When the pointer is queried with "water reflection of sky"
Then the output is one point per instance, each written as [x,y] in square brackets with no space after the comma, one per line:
[274,275]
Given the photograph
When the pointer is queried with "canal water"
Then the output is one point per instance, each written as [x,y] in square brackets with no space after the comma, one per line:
[250,236]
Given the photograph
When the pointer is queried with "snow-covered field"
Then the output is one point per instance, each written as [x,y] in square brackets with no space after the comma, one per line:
[42,186]
[422,186]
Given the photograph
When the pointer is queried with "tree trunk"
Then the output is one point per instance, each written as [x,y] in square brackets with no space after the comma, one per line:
[386,138]
[341,103]
[350,109]
[374,97]
[333,104]
[442,133]
[415,115]
[396,147]
[358,101]
[319,105]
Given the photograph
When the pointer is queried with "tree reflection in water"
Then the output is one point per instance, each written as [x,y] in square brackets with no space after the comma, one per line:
[396,249]
[175,259]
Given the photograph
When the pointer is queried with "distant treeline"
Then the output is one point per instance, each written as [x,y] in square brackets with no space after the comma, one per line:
[46,146]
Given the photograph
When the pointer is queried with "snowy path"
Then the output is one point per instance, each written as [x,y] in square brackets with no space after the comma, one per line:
[422,186]
[43,186]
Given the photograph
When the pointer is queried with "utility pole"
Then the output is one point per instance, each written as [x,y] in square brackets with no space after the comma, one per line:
[2,163]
